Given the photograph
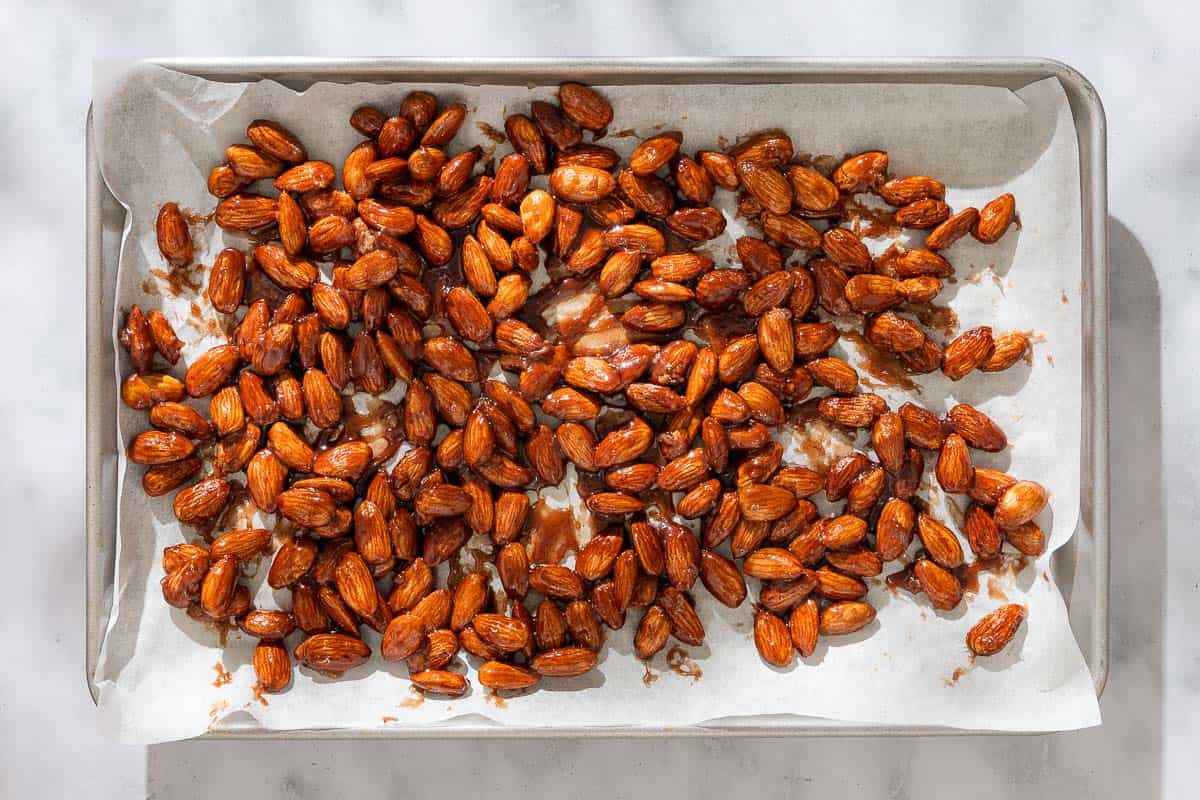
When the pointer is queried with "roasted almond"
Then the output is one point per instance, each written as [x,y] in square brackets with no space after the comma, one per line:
[994,219]
[846,616]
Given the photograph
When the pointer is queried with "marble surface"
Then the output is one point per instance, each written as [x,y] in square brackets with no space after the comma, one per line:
[1143,62]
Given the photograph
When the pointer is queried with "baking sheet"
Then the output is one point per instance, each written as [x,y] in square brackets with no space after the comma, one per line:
[158,134]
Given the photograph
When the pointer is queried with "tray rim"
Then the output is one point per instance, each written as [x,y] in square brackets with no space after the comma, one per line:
[1091,129]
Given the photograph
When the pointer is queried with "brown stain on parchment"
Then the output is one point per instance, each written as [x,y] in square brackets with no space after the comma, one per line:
[224,677]
[680,662]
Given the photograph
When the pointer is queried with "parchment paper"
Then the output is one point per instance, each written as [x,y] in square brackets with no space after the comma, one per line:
[160,132]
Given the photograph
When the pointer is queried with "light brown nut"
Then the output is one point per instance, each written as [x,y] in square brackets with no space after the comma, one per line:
[1007,349]
[846,616]
[862,172]
[967,352]
[939,541]
[585,106]
[952,229]
[939,584]
[954,471]
[772,639]
[803,627]
[894,529]
[1019,504]
[995,218]
[564,662]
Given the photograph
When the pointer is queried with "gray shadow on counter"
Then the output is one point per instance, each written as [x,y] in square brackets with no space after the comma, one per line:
[1121,758]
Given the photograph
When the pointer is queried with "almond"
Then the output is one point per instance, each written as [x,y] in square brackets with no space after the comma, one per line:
[967,352]
[292,562]
[160,447]
[554,580]
[858,411]
[982,534]
[584,625]
[653,153]
[844,532]
[527,140]
[893,332]
[586,107]
[842,474]
[652,633]
[1019,504]
[803,627]
[939,585]
[926,213]
[208,372]
[564,662]
[790,231]
[246,212]
[767,185]
[846,616]
[223,181]
[976,428]
[844,248]
[174,240]
[332,653]
[275,140]
[921,427]
[685,624]
[272,666]
[554,125]
[939,541]
[159,480]
[773,563]
[995,218]
[143,391]
[720,167]
[894,529]
[202,501]
[763,502]
[921,263]
[245,543]
[813,338]
[862,172]
[954,470]
[952,229]
[772,639]
[219,584]
[503,633]
[811,190]
[499,676]
[1027,538]
[309,508]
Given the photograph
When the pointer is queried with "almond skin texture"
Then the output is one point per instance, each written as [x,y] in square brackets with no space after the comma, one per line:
[772,639]
[1019,504]
[804,626]
[564,662]
[967,352]
[174,240]
[954,470]
[1007,349]
[994,219]
[939,585]
[585,106]
[846,617]
[500,676]
[976,428]
[993,633]
[940,542]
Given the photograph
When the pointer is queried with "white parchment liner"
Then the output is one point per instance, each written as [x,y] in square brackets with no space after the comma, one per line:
[159,132]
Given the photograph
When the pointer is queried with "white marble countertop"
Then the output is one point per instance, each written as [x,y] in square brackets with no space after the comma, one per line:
[1138,60]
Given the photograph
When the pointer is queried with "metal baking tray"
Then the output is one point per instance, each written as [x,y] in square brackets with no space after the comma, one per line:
[1081,566]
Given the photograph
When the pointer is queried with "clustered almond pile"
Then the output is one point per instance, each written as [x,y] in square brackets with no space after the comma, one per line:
[438,292]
